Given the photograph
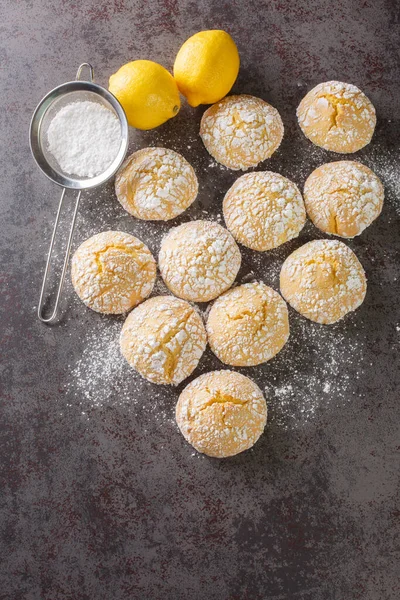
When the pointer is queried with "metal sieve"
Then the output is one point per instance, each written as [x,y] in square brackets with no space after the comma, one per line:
[73,91]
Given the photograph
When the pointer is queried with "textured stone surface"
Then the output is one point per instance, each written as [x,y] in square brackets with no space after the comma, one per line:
[100,496]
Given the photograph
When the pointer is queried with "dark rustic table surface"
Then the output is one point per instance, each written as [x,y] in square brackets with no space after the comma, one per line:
[100,496]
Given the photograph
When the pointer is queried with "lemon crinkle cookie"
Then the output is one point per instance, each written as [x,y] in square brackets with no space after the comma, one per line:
[199,260]
[264,210]
[337,116]
[221,413]
[343,198]
[323,280]
[248,325]
[163,339]
[112,272]
[156,184]
[241,131]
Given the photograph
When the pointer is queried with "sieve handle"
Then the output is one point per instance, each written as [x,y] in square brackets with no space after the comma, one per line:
[40,312]
[53,315]
[80,69]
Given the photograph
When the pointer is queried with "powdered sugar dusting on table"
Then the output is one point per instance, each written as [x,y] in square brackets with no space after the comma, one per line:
[301,388]
[317,371]
[385,163]
[102,378]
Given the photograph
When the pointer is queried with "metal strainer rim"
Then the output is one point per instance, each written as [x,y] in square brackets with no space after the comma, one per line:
[34,135]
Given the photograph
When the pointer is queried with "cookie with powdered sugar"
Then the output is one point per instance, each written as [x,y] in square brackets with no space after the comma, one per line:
[248,325]
[163,339]
[323,280]
[241,131]
[221,413]
[156,184]
[337,116]
[112,272]
[263,210]
[199,260]
[343,197]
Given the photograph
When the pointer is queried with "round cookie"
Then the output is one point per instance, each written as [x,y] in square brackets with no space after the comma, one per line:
[241,131]
[199,260]
[248,325]
[221,413]
[263,210]
[156,184]
[342,198]
[323,280]
[337,116]
[112,272]
[163,339]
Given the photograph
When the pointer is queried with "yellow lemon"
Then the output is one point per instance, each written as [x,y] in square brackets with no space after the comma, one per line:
[148,93]
[206,66]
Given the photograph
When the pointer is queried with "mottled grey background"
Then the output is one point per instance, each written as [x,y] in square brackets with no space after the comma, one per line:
[100,497]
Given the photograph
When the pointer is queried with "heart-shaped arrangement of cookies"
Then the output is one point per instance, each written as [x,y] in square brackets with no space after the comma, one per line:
[163,338]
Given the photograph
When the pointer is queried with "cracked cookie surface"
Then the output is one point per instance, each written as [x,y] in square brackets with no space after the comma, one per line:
[323,280]
[248,325]
[221,413]
[163,339]
[263,210]
[112,272]
[241,131]
[199,260]
[343,197]
[337,116]
[156,184]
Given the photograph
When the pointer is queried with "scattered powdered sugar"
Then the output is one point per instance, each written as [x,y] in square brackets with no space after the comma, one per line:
[318,369]
[385,163]
[102,378]
[321,373]
[284,390]
[100,373]
[84,138]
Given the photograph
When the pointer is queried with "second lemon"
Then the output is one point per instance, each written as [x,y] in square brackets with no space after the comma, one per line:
[206,66]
